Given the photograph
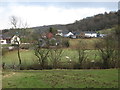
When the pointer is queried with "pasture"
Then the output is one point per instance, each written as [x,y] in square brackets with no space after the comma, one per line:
[98,78]
[62,77]
[89,42]
[28,57]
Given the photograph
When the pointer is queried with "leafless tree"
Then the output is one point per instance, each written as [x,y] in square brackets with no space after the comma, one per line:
[55,56]
[14,21]
[24,26]
[106,48]
[41,54]
[82,56]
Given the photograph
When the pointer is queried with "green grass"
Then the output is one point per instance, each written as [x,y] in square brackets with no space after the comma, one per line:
[61,79]
[107,31]
[29,58]
[89,43]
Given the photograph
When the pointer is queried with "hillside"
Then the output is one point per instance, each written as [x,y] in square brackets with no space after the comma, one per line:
[94,23]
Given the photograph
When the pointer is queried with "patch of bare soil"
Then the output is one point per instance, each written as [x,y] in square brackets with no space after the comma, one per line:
[8,75]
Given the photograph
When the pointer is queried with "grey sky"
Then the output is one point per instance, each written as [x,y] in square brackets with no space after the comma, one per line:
[38,13]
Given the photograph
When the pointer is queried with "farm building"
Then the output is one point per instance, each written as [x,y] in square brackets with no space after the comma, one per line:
[3,41]
[9,40]
[90,34]
[49,35]
[15,40]
[103,35]
[68,34]
[59,33]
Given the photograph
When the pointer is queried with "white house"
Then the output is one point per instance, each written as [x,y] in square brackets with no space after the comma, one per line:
[15,39]
[3,41]
[59,33]
[69,34]
[90,34]
[103,35]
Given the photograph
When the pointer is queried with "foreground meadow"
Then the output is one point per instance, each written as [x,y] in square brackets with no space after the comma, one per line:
[98,78]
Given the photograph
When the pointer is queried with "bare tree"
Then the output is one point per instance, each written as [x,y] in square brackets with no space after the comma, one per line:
[18,23]
[55,56]
[82,56]
[24,26]
[106,48]
[41,54]
[14,21]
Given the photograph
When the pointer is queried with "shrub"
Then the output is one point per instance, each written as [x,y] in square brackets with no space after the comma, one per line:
[55,57]
[65,43]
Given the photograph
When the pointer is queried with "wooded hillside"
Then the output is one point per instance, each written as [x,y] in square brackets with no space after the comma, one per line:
[94,23]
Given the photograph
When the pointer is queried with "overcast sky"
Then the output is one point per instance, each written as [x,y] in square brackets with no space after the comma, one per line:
[47,13]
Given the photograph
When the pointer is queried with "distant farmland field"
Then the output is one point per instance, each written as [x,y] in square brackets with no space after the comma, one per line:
[89,42]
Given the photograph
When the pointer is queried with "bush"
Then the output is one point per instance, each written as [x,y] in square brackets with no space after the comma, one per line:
[35,66]
[65,43]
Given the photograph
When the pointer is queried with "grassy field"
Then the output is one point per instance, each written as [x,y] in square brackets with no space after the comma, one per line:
[61,79]
[89,43]
[28,57]
[106,31]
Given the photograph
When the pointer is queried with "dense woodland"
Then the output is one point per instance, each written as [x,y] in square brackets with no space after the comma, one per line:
[97,22]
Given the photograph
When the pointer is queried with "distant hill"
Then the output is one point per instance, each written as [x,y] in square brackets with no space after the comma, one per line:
[46,28]
[94,23]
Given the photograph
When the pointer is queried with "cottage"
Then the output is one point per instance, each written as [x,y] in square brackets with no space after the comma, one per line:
[102,35]
[3,41]
[49,35]
[90,34]
[68,34]
[59,33]
[43,35]
[74,36]
[15,40]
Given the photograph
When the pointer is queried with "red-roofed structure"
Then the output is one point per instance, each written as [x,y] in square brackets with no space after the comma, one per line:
[49,35]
